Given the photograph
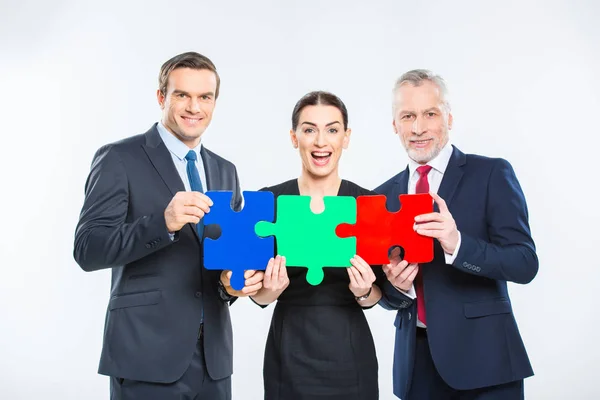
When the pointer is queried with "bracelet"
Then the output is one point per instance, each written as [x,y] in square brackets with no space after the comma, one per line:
[366,296]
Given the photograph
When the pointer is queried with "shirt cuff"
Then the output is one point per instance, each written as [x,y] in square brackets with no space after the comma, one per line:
[410,293]
[451,257]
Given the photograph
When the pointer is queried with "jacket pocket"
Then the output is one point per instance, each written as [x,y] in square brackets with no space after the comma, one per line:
[134,299]
[483,309]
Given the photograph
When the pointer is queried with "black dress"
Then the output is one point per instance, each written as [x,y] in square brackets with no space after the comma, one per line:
[319,344]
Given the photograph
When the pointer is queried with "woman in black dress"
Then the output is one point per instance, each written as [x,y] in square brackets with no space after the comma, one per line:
[319,344]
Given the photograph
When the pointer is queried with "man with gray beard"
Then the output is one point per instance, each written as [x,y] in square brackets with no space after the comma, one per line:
[456,336]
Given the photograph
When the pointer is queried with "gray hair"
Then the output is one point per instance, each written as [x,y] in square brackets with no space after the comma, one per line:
[416,77]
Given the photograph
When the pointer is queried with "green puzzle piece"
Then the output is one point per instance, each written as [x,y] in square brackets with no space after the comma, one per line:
[309,240]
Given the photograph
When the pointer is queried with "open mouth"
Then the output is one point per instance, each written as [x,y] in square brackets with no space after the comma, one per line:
[321,158]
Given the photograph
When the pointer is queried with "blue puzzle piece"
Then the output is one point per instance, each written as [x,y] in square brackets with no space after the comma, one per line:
[238,248]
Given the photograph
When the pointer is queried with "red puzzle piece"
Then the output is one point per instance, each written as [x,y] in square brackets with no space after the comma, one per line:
[377,229]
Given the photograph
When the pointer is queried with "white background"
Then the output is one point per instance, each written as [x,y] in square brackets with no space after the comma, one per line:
[524,86]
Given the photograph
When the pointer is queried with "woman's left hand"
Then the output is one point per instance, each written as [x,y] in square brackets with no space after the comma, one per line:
[361,276]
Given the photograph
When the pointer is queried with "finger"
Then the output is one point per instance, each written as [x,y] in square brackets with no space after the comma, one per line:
[430,225]
[362,262]
[397,270]
[226,279]
[248,273]
[387,270]
[440,202]
[353,282]
[395,253]
[365,269]
[391,272]
[360,282]
[252,288]
[359,264]
[194,211]
[436,234]
[269,272]
[203,197]
[201,204]
[195,196]
[276,268]
[282,270]
[254,279]
[411,277]
[429,217]
[408,271]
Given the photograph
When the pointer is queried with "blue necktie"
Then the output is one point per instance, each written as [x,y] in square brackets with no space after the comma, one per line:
[195,183]
[196,186]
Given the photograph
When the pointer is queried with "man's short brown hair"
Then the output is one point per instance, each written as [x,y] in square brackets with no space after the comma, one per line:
[191,60]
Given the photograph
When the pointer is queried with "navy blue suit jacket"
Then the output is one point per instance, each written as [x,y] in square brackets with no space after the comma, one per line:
[472,332]
[159,287]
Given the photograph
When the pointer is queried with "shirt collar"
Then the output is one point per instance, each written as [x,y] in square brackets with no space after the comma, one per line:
[174,145]
[439,163]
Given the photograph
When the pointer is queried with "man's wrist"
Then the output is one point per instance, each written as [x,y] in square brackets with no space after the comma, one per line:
[223,293]
[405,291]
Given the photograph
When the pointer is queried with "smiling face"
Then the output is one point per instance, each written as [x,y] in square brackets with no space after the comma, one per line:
[188,103]
[421,120]
[320,137]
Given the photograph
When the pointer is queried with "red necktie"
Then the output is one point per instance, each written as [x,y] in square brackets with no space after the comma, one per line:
[422,187]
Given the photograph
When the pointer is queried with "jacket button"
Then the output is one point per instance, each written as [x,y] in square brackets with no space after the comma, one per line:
[198,294]
[148,245]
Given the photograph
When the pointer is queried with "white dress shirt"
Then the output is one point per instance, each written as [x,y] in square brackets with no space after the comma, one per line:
[439,165]
[178,151]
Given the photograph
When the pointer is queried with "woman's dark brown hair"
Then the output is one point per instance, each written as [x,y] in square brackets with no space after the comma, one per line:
[319,98]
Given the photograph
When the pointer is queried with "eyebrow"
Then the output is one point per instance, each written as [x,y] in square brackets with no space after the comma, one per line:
[313,124]
[425,111]
[177,91]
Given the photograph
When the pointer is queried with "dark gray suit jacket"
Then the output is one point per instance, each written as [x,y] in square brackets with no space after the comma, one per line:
[159,286]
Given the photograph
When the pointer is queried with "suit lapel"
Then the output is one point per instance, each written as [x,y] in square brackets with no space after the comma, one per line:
[402,182]
[211,169]
[161,159]
[452,177]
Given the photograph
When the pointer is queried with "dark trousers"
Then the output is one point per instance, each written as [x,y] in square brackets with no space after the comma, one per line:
[427,384]
[195,384]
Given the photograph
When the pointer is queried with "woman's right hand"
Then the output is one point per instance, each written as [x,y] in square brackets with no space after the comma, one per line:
[275,281]
[276,277]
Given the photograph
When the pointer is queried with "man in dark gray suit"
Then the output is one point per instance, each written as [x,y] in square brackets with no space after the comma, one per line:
[168,331]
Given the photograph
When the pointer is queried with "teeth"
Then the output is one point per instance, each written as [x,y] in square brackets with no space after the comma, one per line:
[320,154]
